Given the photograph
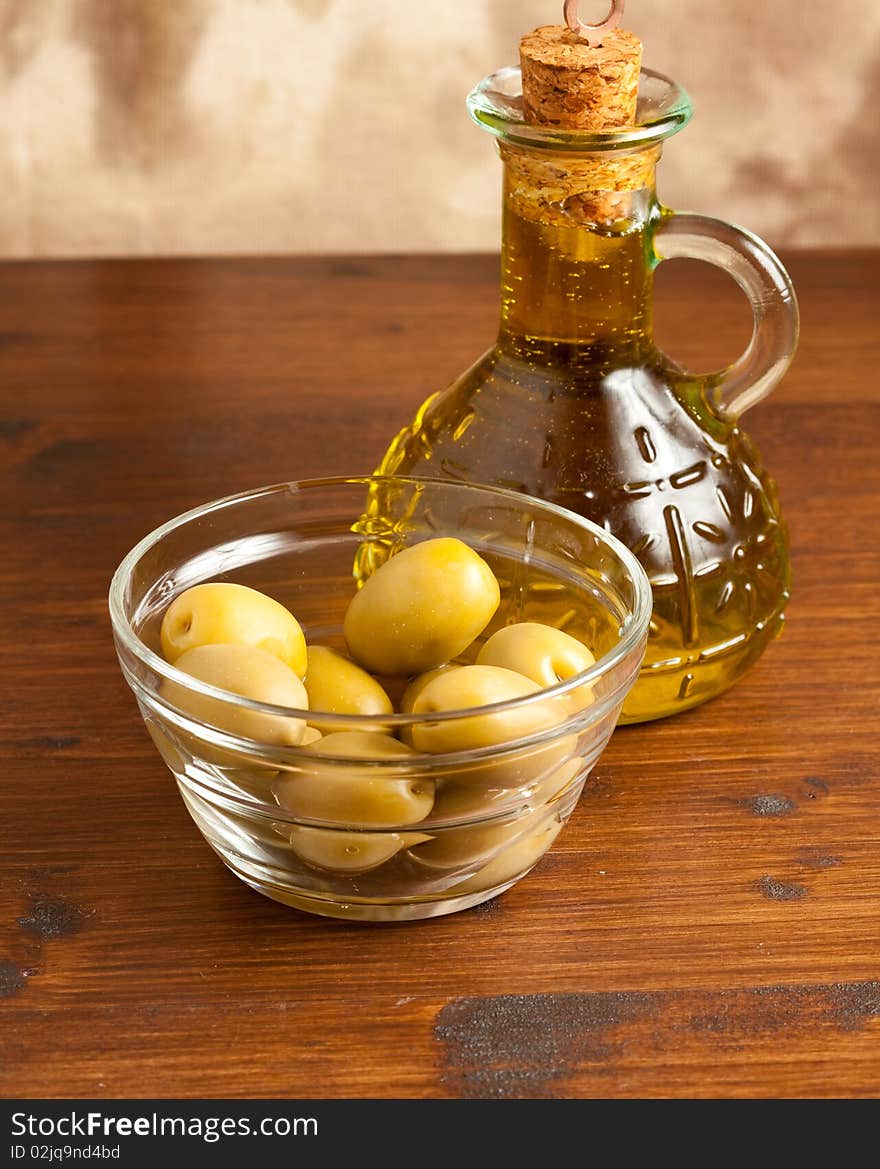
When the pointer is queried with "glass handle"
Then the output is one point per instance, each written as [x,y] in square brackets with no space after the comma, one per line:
[760,274]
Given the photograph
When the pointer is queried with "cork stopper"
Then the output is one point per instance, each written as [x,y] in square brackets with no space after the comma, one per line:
[570,84]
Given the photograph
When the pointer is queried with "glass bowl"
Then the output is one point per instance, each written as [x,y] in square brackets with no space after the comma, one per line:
[478,820]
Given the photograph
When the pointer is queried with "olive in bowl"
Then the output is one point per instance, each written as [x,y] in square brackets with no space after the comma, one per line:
[359,812]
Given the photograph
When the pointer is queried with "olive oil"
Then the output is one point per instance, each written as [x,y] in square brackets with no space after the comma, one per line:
[575,403]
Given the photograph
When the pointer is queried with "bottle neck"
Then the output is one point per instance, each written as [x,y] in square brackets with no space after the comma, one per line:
[575,261]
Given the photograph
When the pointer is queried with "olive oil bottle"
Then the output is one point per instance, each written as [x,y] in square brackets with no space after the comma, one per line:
[576,404]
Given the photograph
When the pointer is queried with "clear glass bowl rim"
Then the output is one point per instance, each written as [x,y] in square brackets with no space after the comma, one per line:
[672,114]
[635,627]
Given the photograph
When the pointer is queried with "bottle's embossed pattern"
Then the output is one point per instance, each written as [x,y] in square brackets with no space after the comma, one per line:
[640,452]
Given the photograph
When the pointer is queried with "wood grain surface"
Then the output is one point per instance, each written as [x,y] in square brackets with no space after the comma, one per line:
[708,924]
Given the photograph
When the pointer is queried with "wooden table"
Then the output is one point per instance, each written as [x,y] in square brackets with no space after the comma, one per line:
[708,924]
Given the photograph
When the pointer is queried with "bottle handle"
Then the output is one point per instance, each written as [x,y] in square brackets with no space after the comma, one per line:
[760,274]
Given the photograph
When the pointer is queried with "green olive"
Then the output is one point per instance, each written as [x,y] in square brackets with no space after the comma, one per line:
[336,685]
[414,689]
[349,852]
[473,686]
[463,799]
[560,780]
[418,684]
[254,779]
[246,671]
[360,745]
[422,608]
[471,844]
[167,747]
[220,613]
[456,800]
[512,863]
[355,795]
[542,653]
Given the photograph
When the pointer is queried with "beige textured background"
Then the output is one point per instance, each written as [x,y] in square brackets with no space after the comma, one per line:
[248,126]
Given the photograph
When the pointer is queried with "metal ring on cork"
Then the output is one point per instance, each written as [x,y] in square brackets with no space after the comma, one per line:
[592,33]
